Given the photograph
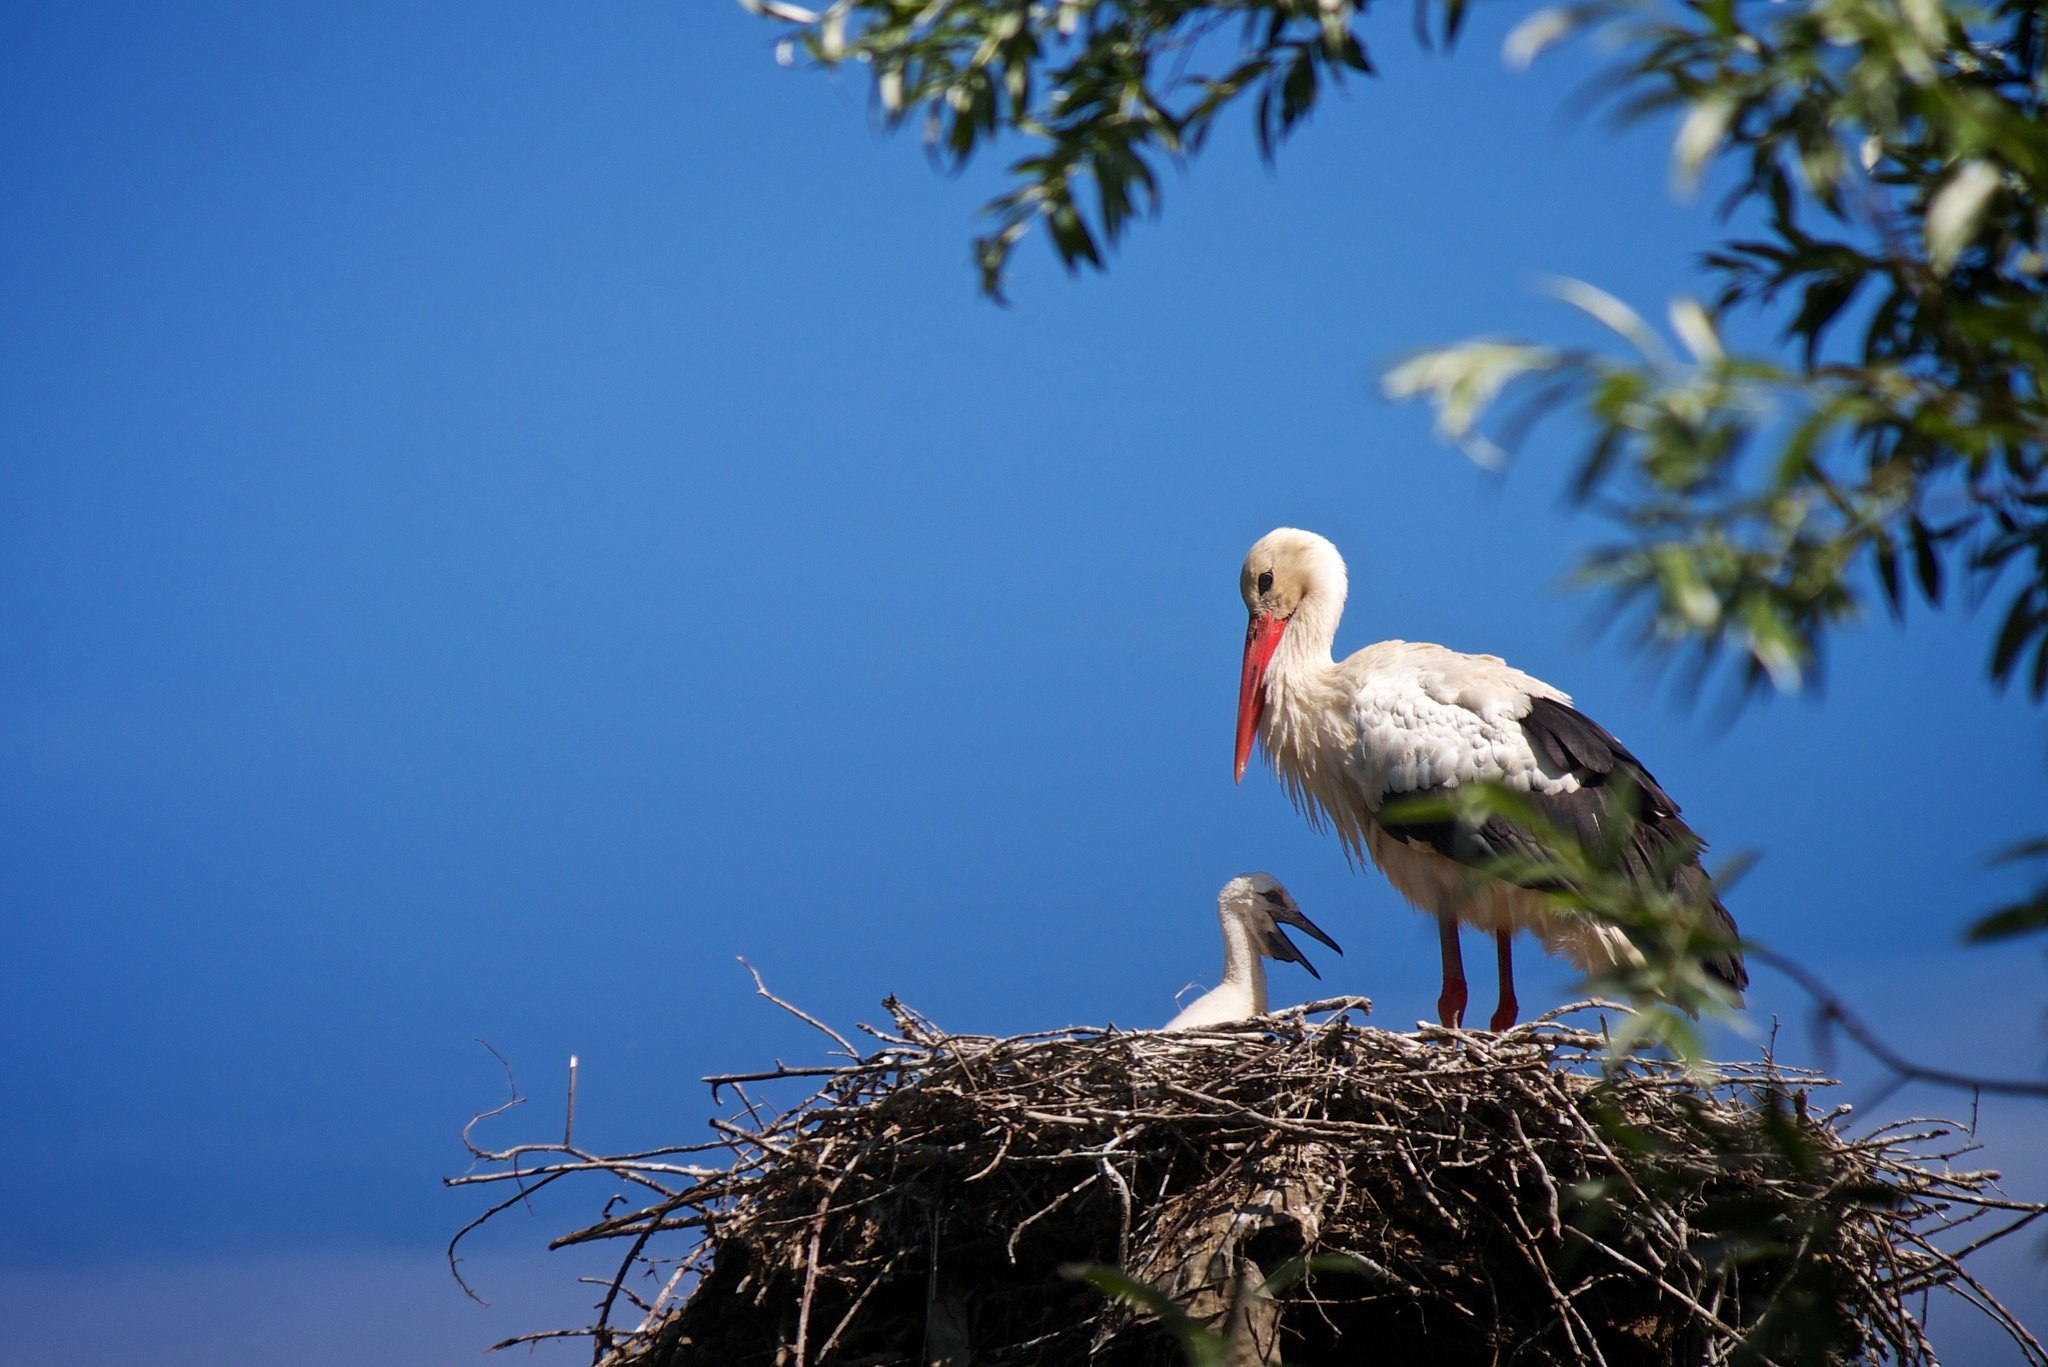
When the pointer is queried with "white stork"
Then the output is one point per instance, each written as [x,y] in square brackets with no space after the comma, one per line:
[1252,908]
[1401,719]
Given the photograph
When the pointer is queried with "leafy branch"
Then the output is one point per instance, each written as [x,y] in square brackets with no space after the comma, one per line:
[1896,154]
[1104,92]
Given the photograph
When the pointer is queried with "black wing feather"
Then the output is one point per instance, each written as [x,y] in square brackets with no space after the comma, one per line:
[1613,786]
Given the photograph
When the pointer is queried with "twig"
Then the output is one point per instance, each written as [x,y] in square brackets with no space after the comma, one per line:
[761,990]
[517,1100]
[1832,1010]
[569,1111]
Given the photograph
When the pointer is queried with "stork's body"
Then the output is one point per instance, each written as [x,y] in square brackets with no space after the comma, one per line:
[1252,909]
[1403,719]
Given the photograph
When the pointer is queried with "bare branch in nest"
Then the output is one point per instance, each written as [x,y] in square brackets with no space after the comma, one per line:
[1294,1187]
[482,1155]
[511,1086]
[569,1107]
[761,990]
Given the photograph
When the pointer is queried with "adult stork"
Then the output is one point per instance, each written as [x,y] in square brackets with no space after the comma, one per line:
[1252,907]
[1403,719]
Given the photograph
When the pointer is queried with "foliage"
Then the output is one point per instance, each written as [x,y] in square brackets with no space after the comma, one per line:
[1890,160]
[1104,90]
[1890,157]
[2030,913]
[1894,157]
[1885,161]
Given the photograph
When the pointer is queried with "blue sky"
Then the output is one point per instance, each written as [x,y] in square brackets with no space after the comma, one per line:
[509,507]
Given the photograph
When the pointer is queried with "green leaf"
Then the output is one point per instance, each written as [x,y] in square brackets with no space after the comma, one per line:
[1455,12]
[1699,137]
[1201,1347]
[1956,210]
[2026,917]
[1295,1270]
[1462,382]
[2020,626]
[2035,848]
[1886,553]
[1604,308]
[1527,40]
[1298,91]
[1696,329]
[1926,562]
[1825,298]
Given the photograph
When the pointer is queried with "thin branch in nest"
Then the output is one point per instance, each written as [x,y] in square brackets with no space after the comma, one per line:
[511,1085]
[569,1107]
[476,1154]
[761,990]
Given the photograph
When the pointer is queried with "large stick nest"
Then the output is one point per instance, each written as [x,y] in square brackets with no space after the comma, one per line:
[1314,1191]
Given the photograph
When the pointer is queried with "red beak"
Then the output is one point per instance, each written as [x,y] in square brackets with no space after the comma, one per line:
[1260,638]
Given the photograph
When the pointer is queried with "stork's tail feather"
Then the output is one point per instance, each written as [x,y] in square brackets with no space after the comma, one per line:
[1725,966]
[1728,968]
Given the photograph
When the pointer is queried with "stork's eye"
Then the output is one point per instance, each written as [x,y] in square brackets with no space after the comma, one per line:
[1266,582]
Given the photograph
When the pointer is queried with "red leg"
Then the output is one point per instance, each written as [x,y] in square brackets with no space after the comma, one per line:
[1504,1014]
[1450,1004]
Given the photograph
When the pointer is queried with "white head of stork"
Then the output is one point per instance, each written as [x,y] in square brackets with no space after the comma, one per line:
[1252,907]
[1401,719]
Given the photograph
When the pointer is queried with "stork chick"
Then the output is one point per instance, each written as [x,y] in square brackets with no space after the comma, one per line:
[1252,907]
[1403,719]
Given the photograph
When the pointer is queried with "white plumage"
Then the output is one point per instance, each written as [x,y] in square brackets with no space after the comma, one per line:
[1252,907]
[1402,718]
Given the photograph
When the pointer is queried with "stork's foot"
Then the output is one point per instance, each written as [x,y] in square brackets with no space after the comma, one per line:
[1450,1004]
[1504,960]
